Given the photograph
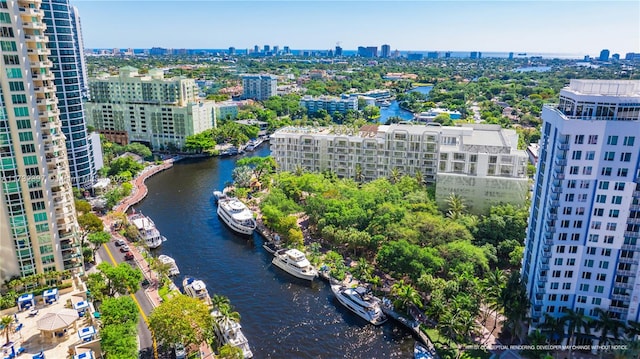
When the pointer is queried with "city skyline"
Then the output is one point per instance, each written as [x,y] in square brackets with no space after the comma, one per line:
[584,26]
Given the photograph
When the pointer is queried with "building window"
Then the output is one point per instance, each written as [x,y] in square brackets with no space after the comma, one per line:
[623,172]
[574,170]
[556,274]
[601,198]
[571,261]
[558,261]
[566,286]
[612,140]
[609,156]
[573,249]
[603,265]
[567,210]
[628,140]
[580,211]
[593,238]
[590,155]
[619,186]
[576,155]
[571,184]
[575,236]
[586,275]
[568,274]
[625,157]
[616,200]
[593,139]
[601,277]
[554,285]
[587,170]
[584,287]
[608,239]
[606,171]
[579,139]
[614,213]
[596,225]
[560,249]
[564,223]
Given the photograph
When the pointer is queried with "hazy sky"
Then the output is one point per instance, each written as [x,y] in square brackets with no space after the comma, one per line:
[560,26]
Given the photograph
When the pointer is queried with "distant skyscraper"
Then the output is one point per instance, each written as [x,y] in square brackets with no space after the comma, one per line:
[286,50]
[474,55]
[276,48]
[38,225]
[67,67]
[414,57]
[385,51]
[368,52]
[432,55]
[256,49]
[266,49]
[232,50]
[604,55]
[338,51]
[615,57]
[583,241]
[511,56]
[447,55]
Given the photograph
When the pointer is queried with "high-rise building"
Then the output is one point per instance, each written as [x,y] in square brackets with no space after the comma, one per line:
[259,87]
[76,25]
[160,112]
[38,225]
[256,49]
[583,242]
[276,49]
[604,55]
[331,104]
[385,51]
[432,54]
[338,51]
[286,50]
[481,163]
[67,59]
[266,49]
[232,50]
[368,52]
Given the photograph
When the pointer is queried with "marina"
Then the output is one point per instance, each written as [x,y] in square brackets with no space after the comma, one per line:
[282,313]
[147,231]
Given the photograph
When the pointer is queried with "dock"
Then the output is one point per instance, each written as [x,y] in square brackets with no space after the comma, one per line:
[413,325]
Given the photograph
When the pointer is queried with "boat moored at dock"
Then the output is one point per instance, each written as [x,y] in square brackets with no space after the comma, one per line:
[360,301]
[197,289]
[295,263]
[228,331]
[147,230]
[173,267]
[236,215]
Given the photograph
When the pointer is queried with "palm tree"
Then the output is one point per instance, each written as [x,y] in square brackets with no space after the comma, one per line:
[405,295]
[553,328]
[220,301]
[358,174]
[607,326]
[448,325]
[456,206]
[632,330]
[536,339]
[419,178]
[7,325]
[575,322]
[394,175]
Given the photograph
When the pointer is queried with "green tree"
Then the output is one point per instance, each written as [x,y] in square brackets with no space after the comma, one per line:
[456,206]
[552,328]
[575,322]
[608,327]
[97,239]
[89,223]
[228,351]
[181,319]
[371,113]
[119,341]
[200,142]
[82,206]
[139,149]
[119,310]
[7,326]
[259,165]
[405,296]
[119,279]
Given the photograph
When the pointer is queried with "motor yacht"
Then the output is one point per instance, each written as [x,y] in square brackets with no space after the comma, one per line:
[236,215]
[295,263]
[360,301]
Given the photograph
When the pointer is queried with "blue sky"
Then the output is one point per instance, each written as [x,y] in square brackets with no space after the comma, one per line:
[561,26]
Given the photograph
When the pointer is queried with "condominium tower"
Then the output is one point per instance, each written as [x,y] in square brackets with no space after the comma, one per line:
[259,87]
[481,163]
[582,248]
[67,59]
[38,226]
[331,104]
[147,108]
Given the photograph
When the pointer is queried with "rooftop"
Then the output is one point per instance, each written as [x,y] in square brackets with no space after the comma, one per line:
[605,87]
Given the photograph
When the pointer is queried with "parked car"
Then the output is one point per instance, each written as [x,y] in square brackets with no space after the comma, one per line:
[120,242]
[128,256]
[180,352]
[125,249]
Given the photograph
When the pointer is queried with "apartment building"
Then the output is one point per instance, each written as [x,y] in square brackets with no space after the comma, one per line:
[582,248]
[481,163]
[65,54]
[147,108]
[330,104]
[38,225]
[259,87]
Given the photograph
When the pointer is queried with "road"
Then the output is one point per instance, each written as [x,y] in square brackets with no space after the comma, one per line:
[110,253]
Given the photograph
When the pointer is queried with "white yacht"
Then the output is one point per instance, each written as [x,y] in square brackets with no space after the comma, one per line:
[219,195]
[230,332]
[197,289]
[173,267]
[295,263]
[236,215]
[147,230]
[360,301]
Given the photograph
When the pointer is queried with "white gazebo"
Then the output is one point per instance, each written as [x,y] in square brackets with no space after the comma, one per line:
[50,295]
[54,325]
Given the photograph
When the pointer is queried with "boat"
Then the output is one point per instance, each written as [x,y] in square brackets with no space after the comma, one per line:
[147,230]
[295,263]
[421,352]
[218,195]
[236,215]
[271,247]
[229,331]
[173,267]
[360,301]
[197,289]
[253,144]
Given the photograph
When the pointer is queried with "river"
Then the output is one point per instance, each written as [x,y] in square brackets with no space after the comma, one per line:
[395,110]
[281,316]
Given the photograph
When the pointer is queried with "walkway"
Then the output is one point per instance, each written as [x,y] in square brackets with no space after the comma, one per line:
[140,190]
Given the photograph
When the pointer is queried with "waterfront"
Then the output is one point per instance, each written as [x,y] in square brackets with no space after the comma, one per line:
[281,316]
[395,110]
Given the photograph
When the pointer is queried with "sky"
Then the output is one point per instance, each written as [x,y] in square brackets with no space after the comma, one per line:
[559,27]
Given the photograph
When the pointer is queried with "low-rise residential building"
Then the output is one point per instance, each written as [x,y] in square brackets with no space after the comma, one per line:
[226,110]
[329,103]
[481,163]
[159,111]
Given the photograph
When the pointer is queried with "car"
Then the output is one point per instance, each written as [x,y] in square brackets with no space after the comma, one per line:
[128,256]
[180,352]
[125,249]
[120,242]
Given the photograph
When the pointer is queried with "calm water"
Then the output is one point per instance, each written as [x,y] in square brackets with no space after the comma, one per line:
[282,317]
[395,110]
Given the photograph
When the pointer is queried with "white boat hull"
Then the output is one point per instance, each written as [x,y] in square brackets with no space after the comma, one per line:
[245,214]
[234,226]
[354,308]
[280,264]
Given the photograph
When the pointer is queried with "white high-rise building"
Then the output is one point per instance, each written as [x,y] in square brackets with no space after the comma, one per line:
[481,163]
[38,225]
[582,246]
[259,87]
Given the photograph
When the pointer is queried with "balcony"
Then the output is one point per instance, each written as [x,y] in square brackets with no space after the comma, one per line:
[34,25]
[623,285]
[558,176]
[546,254]
[551,229]
[556,189]
[555,203]
[30,11]
[620,297]
[42,77]
[631,247]
[563,146]
[628,260]
[45,89]
[43,52]
[627,273]
[618,310]
[635,207]
[37,38]
[630,234]
[633,220]
[561,162]
[70,246]
[636,194]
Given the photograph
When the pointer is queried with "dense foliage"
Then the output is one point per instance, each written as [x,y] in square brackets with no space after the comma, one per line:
[118,337]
